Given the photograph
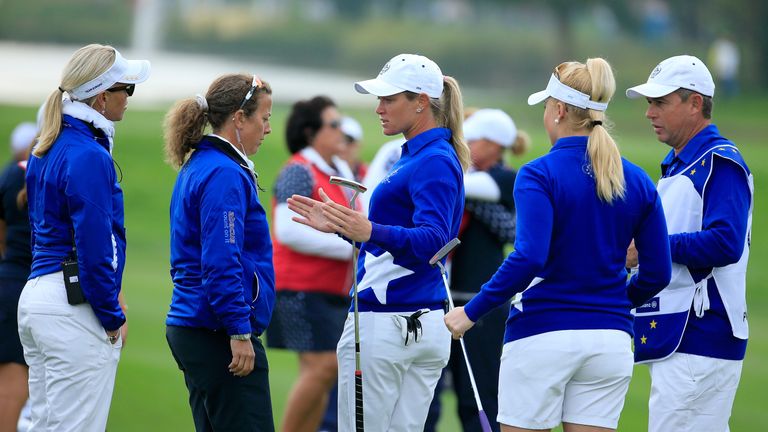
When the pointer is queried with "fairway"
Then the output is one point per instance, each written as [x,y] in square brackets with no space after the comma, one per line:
[150,393]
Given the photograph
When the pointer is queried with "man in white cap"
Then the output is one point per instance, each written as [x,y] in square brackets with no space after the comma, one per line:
[694,333]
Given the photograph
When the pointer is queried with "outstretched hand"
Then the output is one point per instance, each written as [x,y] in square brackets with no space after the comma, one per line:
[330,217]
[310,212]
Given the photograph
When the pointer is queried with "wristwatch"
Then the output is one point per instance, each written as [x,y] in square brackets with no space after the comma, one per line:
[113,339]
[242,337]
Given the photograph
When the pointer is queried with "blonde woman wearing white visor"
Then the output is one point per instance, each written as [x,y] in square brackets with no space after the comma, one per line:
[70,316]
[567,354]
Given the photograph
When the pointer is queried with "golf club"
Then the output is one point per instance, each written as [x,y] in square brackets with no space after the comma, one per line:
[437,261]
[358,189]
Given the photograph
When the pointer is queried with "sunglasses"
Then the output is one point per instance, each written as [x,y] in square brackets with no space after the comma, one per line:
[254,85]
[127,88]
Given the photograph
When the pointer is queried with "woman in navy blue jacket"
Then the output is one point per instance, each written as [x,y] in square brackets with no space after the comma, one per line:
[221,254]
[70,316]
[567,349]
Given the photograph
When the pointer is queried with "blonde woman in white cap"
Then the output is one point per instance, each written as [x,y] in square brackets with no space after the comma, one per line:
[69,313]
[694,335]
[415,210]
[567,355]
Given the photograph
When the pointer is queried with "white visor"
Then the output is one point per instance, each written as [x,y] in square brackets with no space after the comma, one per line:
[563,93]
[121,71]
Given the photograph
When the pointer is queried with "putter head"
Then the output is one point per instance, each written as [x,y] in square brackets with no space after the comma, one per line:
[347,183]
[445,250]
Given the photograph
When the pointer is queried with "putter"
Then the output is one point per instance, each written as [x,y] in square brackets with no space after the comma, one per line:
[358,189]
[436,261]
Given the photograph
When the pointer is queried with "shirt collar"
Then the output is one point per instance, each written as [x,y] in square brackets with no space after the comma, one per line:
[415,144]
[570,142]
[692,149]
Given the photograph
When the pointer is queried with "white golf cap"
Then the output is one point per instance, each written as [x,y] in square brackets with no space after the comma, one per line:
[22,136]
[405,72]
[121,71]
[351,128]
[683,71]
[563,93]
[491,124]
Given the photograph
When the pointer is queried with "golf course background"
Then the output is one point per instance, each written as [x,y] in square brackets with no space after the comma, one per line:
[150,393]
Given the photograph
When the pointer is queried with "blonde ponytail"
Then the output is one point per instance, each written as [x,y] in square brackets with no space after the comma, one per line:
[51,125]
[595,78]
[449,113]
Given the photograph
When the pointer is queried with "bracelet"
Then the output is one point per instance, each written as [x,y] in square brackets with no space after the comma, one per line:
[242,337]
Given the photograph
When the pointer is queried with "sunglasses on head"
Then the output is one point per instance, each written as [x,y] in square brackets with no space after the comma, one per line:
[254,85]
[129,88]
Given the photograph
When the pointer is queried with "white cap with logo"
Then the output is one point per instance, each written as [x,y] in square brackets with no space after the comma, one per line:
[121,71]
[491,124]
[405,72]
[683,71]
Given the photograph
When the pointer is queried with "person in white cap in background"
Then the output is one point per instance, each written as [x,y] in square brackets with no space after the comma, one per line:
[353,135]
[487,227]
[694,334]
[15,260]
[414,212]
[567,355]
[69,314]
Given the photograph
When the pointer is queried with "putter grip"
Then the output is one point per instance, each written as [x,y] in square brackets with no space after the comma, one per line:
[359,402]
[484,425]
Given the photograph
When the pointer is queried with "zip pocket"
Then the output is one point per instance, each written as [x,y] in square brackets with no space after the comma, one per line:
[256,291]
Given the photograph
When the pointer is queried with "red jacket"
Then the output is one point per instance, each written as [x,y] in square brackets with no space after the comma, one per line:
[296,271]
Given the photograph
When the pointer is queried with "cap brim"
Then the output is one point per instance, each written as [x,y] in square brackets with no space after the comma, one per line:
[377,87]
[137,72]
[651,90]
[537,97]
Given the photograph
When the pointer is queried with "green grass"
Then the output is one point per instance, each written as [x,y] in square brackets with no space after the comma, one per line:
[150,393]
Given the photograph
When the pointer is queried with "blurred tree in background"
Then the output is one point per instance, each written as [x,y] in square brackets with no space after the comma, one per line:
[491,42]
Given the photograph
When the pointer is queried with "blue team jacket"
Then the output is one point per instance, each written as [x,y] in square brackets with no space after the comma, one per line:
[414,211]
[577,244]
[73,189]
[221,251]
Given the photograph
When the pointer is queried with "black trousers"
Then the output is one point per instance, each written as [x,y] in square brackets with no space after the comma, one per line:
[219,400]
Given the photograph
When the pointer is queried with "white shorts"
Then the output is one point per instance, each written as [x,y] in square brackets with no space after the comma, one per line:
[72,364]
[571,376]
[398,381]
[692,393]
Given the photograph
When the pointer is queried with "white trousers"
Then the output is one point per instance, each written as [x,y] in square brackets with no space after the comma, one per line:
[398,381]
[72,365]
[692,393]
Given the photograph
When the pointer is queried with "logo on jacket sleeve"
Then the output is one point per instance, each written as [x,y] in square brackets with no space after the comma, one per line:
[229,227]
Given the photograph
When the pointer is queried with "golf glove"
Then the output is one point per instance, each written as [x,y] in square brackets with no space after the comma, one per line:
[410,326]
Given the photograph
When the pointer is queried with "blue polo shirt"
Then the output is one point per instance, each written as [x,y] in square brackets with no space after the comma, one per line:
[576,245]
[719,242]
[414,212]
